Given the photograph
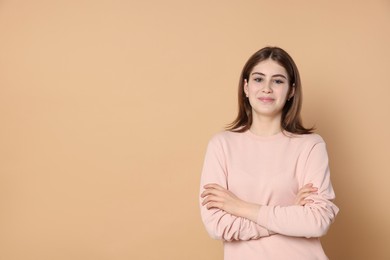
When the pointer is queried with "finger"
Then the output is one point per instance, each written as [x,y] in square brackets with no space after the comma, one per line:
[209,192]
[215,196]
[206,200]
[214,205]
[304,202]
[308,189]
[307,193]
[210,203]
[213,186]
[301,197]
[209,199]
[298,200]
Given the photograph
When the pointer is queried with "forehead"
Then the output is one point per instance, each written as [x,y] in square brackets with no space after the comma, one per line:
[269,67]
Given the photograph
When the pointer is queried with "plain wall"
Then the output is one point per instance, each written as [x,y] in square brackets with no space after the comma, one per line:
[106,108]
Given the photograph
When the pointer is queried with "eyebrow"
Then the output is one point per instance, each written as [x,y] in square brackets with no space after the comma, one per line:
[273,76]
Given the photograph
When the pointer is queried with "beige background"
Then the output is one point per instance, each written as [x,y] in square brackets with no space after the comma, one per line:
[106,108]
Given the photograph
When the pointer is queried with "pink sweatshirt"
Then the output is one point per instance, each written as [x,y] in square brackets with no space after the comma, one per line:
[269,171]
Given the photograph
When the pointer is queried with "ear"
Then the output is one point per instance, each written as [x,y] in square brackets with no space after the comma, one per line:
[246,89]
[292,92]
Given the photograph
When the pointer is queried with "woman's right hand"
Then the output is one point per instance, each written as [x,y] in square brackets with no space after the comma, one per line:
[303,193]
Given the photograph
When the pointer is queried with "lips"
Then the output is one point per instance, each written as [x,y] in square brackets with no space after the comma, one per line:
[266,99]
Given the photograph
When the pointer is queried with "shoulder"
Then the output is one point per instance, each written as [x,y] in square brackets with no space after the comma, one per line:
[313,138]
[224,136]
[307,141]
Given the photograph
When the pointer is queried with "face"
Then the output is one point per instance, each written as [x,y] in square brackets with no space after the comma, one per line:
[268,88]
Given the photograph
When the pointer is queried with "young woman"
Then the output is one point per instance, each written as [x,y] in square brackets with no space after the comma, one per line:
[265,185]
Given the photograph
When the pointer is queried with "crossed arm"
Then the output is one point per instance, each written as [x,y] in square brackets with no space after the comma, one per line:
[216,196]
[228,217]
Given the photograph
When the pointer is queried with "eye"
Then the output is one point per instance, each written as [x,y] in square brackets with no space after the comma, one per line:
[279,81]
[258,79]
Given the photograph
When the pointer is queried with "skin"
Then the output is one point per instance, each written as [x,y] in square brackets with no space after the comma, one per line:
[215,196]
[267,88]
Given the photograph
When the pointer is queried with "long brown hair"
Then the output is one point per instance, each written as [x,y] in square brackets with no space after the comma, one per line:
[291,119]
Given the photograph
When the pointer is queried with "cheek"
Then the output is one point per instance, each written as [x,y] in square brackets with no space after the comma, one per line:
[283,92]
[253,88]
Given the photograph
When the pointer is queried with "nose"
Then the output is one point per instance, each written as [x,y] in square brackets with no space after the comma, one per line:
[267,88]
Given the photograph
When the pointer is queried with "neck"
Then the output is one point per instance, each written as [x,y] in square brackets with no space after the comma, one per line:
[266,126]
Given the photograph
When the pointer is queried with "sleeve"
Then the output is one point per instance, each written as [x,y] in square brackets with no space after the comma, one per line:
[313,219]
[220,224]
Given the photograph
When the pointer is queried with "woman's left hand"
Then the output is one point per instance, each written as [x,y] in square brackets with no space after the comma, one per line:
[216,196]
